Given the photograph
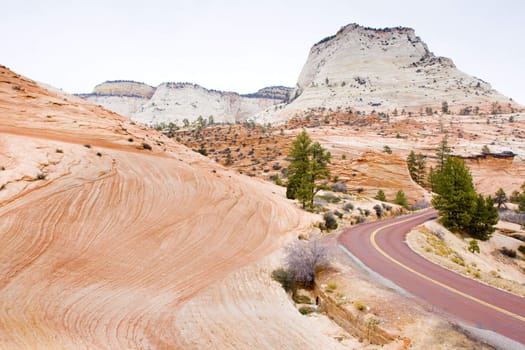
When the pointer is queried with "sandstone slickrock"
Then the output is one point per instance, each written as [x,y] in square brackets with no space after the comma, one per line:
[103,241]
[383,69]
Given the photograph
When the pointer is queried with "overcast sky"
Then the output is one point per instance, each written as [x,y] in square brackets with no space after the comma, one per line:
[239,45]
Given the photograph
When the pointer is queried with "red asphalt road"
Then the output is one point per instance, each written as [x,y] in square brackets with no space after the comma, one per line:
[392,241]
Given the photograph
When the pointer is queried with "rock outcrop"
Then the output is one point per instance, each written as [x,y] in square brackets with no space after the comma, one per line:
[384,70]
[174,102]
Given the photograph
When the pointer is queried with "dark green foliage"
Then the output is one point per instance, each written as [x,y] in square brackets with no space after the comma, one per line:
[146,146]
[500,198]
[379,210]
[301,299]
[461,209]
[442,153]
[380,196]
[387,149]
[521,249]
[416,167]
[473,246]
[282,276]
[483,218]
[308,166]
[511,253]
[455,194]
[444,107]
[401,199]
[330,221]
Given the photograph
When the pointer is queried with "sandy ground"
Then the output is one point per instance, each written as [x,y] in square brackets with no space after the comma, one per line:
[489,266]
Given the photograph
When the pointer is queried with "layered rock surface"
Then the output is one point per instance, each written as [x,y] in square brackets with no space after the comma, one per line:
[104,241]
[174,102]
[384,69]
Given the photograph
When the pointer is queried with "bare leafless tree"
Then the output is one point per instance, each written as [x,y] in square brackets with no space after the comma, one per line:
[304,259]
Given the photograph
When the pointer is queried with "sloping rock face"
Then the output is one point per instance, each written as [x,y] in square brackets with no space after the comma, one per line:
[122,97]
[174,102]
[384,69]
[104,241]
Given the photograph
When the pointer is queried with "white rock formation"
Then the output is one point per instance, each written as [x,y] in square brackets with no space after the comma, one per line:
[383,69]
[174,102]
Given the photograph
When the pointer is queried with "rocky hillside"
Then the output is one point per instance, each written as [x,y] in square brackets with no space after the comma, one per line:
[97,251]
[174,102]
[384,70]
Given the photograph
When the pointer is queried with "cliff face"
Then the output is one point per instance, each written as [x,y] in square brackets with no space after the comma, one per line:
[384,69]
[174,102]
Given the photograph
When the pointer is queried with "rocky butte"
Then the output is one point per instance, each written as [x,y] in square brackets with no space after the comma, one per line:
[383,70]
[174,102]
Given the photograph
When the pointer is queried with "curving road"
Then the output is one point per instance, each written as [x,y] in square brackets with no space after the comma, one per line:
[381,246]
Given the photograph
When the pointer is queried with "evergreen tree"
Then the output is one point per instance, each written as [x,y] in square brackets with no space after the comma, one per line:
[411,164]
[416,167]
[483,218]
[432,179]
[380,196]
[500,198]
[455,194]
[442,152]
[521,198]
[420,169]
[309,165]
[401,199]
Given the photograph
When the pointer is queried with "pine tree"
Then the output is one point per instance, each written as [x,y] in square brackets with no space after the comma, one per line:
[483,218]
[309,165]
[420,169]
[442,152]
[401,199]
[455,194]
[380,196]
[411,164]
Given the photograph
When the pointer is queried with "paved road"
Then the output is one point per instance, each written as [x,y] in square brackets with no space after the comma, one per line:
[381,246]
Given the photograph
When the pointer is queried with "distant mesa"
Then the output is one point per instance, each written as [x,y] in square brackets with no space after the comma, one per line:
[174,102]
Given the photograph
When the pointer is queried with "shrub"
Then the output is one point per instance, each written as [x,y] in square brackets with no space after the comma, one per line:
[366,212]
[521,249]
[473,246]
[379,210]
[360,219]
[330,198]
[330,221]
[348,207]
[146,146]
[306,310]
[380,196]
[303,260]
[359,305]
[331,286]
[511,253]
[301,299]
[40,176]
[282,276]
[58,150]
[87,145]
[338,214]
[387,149]
[339,187]
[401,199]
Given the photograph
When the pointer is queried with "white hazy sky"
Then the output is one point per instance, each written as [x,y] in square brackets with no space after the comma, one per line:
[239,45]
